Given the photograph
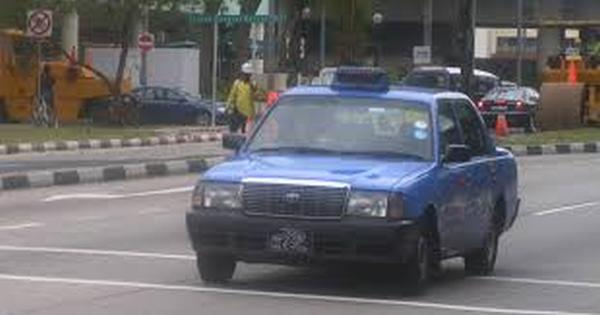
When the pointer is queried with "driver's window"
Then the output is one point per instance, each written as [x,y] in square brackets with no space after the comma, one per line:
[471,126]
[449,133]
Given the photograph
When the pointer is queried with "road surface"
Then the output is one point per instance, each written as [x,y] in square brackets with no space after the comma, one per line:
[121,248]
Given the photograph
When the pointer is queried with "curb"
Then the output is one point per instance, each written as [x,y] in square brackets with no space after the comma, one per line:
[107,143]
[40,179]
[554,149]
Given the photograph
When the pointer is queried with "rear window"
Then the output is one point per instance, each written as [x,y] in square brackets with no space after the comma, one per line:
[429,79]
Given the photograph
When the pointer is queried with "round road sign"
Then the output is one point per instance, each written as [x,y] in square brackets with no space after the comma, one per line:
[146,42]
[39,23]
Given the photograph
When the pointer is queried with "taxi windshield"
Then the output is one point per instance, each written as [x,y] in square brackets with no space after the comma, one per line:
[338,125]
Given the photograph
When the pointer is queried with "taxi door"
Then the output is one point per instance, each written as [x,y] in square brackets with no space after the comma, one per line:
[478,174]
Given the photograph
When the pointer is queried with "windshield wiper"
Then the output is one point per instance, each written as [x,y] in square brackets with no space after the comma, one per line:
[295,150]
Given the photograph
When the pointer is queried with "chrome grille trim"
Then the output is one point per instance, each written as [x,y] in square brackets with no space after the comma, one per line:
[319,200]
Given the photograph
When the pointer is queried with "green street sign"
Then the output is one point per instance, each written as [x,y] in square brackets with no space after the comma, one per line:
[232,19]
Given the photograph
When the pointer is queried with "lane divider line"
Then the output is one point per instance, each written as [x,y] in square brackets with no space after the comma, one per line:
[20,226]
[576,284]
[567,208]
[119,196]
[117,253]
[280,295]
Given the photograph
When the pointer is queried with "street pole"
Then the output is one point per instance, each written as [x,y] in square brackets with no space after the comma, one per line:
[323,34]
[428,23]
[521,44]
[214,69]
[41,104]
[144,66]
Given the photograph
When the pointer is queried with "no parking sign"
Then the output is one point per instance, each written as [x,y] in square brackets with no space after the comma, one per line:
[39,23]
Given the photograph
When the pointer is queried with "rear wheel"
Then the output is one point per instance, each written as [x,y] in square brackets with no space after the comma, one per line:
[203,119]
[482,261]
[215,268]
[3,117]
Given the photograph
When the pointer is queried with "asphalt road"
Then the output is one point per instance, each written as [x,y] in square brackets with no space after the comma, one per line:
[123,250]
[105,157]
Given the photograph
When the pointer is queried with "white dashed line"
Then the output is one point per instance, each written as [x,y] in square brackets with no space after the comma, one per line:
[20,226]
[561,283]
[118,196]
[566,208]
[280,295]
[58,250]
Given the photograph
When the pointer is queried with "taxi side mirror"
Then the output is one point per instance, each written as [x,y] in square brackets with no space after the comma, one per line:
[458,153]
[233,141]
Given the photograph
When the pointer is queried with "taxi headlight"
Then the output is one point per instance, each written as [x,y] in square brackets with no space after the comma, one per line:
[222,196]
[368,204]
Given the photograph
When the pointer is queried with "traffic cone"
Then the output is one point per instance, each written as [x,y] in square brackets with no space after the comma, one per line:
[502,126]
[572,73]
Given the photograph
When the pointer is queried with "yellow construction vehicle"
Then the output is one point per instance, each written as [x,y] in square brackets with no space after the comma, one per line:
[570,94]
[73,86]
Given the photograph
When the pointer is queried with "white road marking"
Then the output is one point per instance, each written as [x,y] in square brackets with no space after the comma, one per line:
[58,250]
[280,295]
[20,226]
[566,208]
[576,284]
[118,196]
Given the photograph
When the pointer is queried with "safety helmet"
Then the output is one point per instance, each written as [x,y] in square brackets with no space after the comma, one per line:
[247,68]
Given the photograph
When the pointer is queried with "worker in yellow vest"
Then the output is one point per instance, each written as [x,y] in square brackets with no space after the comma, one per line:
[240,103]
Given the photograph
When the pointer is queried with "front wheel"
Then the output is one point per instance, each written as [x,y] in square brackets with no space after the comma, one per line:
[215,268]
[482,261]
[417,270]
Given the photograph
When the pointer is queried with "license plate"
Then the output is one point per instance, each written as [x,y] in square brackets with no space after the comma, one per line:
[499,108]
[289,241]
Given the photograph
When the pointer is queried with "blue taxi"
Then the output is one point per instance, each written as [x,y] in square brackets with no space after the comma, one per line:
[358,172]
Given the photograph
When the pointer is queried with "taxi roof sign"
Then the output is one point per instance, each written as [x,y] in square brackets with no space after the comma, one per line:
[361,78]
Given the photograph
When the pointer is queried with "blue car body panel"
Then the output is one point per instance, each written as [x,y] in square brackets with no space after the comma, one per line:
[463,195]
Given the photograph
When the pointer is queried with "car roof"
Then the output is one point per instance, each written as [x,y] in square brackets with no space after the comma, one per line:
[420,95]
[456,70]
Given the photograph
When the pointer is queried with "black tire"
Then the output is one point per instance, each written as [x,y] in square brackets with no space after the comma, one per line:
[3,117]
[417,270]
[215,268]
[482,261]
[203,119]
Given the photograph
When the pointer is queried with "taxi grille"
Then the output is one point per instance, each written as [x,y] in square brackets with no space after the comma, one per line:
[285,200]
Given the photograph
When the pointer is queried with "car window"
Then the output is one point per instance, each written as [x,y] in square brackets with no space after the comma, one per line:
[348,126]
[173,95]
[449,133]
[428,79]
[471,127]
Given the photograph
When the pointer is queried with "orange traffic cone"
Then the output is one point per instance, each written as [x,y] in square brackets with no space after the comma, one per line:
[502,126]
[573,77]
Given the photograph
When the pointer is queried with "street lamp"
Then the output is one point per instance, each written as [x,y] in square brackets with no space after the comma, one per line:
[377,21]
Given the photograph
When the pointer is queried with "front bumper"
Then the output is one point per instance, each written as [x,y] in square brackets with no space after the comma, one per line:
[346,240]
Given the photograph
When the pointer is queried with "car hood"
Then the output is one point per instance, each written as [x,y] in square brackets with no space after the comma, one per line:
[358,172]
